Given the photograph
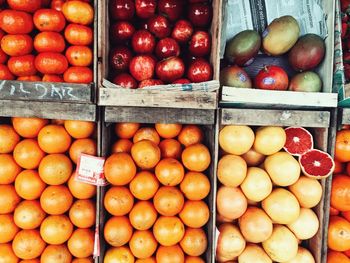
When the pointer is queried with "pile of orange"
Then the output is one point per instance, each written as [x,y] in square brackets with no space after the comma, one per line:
[339,222]
[46,40]
[156,199]
[45,214]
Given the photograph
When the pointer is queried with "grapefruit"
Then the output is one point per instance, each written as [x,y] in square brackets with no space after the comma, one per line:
[236,139]
[308,191]
[306,226]
[257,185]
[303,256]
[269,140]
[254,253]
[232,170]
[299,141]
[316,164]
[253,158]
[231,202]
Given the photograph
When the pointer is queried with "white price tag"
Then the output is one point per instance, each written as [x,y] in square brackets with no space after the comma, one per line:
[90,170]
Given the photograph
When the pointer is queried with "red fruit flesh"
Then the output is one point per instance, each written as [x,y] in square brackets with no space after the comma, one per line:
[316,164]
[299,141]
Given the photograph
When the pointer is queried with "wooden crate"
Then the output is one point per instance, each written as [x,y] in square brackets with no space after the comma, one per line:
[318,122]
[113,96]
[254,98]
[149,116]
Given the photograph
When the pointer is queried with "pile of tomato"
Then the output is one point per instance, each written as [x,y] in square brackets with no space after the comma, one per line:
[46,40]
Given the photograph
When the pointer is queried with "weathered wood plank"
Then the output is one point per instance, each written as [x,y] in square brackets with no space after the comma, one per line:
[49,110]
[345,116]
[256,98]
[155,98]
[46,91]
[275,117]
[159,115]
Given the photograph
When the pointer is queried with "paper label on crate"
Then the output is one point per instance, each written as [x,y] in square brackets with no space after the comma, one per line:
[240,15]
[90,170]
[97,250]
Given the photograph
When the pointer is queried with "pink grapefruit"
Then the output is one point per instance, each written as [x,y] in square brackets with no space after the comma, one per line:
[299,141]
[316,164]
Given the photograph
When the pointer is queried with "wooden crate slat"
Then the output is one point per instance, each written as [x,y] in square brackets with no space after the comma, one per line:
[49,110]
[345,116]
[159,115]
[275,117]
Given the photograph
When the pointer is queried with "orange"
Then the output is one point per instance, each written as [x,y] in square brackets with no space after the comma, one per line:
[337,257]
[342,146]
[81,243]
[126,130]
[54,139]
[28,244]
[119,169]
[168,230]
[195,186]
[190,134]
[143,244]
[56,199]
[49,42]
[339,167]
[143,215]
[77,34]
[144,185]
[28,127]
[170,254]
[80,190]
[56,254]
[17,45]
[83,260]
[147,133]
[170,172]
[146,260]
[168,131]
[55,169]
[56,230]
[35,260]
[78,12]
[22,65]
[146,154]
[79,56]
[195,214]
[6,254]
[170,148]
[346,215]
[8,138]
[16,22]
[29,6]
[333,211]
[49,20]
[8,199]
[118,200]
[57,122]
[119,254]
[29,185]
[122,146]
[340,194]
[78,75]
[8,228]
[168,201]
[196,157]
[28,214]
[9,169]
[52,78]
[190,259]
[79,129]
[3,57]
[195,242]
[118,231]
[79,146]
[338,234]
[29,78]
[5,73]
[51,63]
[83,213]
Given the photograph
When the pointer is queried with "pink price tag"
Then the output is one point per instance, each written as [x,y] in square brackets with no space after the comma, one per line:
[90,170]
[96,252]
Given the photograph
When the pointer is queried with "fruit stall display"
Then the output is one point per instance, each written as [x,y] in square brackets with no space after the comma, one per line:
[47,50]
[271,190]
[160,200]
[46,214]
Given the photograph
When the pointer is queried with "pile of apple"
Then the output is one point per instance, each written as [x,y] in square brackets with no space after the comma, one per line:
[159,42]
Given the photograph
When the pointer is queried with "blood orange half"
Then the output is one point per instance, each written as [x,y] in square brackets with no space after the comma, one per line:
[316,164]
[298,141]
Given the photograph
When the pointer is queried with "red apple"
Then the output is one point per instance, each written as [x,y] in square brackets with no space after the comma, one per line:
[346,57]
[347,71]
[122,9]
[159,26]
[125,80]
[121,31]
[200,44]
[271,78]
[182,31]
[167,47]
[199,70]
[145,8]
[200,14]
[143,42]
[142,67]
[170,69]
[120,58]
[181,81]
[150,82]
[172,9]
